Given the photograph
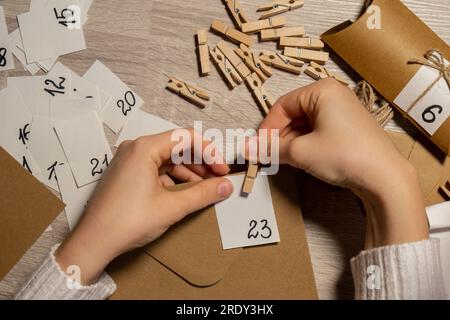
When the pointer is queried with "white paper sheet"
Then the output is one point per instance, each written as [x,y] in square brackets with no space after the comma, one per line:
[433,109]
[439,219]
[124,101]
[16,43]
[6,58]
[46,150]
[85,146]
[85,6]
[75,198]
[142,124]
[38,90]
[47,32]
[247,221]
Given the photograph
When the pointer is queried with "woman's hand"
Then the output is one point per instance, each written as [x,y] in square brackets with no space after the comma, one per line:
[131,206]
[325,131]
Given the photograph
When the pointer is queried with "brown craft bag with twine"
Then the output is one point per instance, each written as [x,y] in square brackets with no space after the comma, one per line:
[389,57]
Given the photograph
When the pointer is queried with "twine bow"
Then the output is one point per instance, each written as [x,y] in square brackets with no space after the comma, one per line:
[433,59]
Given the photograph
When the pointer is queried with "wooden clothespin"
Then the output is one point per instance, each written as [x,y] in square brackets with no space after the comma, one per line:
[231,33]
[320,57]
[256,26]
[240,66]
[445,190]
[253,62]
[203,52]
[250,178]
[281,62]
[235,9]
[279,6]
[317,72]
[274,34]
[263,99]
[305,43]
[230,74]
[189,92]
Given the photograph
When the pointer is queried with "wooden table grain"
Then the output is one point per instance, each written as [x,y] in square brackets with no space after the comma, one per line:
[146,41]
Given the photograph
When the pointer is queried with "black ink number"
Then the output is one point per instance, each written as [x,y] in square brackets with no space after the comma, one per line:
[65,17]
[3,57]
[57,88]
[127,103]
[265,233]
[95,162]
[24,133]
[429,116]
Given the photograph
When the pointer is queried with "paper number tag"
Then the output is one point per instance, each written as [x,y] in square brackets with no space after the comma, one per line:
[433,109]
[247,221]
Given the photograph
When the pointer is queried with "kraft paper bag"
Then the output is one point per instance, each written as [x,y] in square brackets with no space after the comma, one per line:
[188,261]
[26,210]
[381,56]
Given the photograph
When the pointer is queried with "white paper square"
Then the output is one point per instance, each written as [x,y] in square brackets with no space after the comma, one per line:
[44,36]
[124,101]
[6,57]
[247,221]
[433,109]
[142,124]
[85,146]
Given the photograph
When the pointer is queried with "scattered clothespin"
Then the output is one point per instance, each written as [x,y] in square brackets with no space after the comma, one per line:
[191,93]
[320,57]
[256,26]
[305,43]
[253,62]
[445,190]
[230,74]
[231,33]
[250,178]
[279,6]
[317,72]
[274,34]
[282,62]
[235,9]
[203,52]
[240,66]
[264,99]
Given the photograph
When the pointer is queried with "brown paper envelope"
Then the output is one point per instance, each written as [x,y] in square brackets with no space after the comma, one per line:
[26,210]
[380,56]
[188,261]
[432,171]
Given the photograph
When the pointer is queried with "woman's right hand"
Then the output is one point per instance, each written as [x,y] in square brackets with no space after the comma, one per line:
[325,131]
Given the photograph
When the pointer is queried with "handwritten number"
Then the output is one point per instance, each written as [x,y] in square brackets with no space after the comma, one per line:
[64,18]
[127,103]
[253,225]
[3,57]
[25,164]
[95,162]
[24,133]
[57,88]
[428,115]
[52,171]
[265,233]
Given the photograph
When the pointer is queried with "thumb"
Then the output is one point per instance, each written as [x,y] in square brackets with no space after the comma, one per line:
[200,195]
[301,152]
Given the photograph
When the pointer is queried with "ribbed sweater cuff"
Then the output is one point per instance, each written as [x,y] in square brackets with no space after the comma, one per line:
[49,282]
[405,271]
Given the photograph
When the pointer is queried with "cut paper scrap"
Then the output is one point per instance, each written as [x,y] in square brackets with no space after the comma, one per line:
[142,124]
[16,44]
[124,101]
[6,57]
[247,221]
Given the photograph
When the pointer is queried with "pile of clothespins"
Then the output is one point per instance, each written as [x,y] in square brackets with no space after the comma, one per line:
[239,64]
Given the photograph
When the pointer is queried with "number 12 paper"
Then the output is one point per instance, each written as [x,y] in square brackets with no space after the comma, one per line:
[247,221]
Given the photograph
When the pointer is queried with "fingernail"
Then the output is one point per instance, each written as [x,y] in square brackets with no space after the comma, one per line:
[225,189]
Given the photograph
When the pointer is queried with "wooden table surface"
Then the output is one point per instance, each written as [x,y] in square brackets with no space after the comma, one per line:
[145,41]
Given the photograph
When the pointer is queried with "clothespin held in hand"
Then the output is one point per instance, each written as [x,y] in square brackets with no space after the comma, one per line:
[282,62]
[279,6]
[250,177]
[189,92]
[263,99]
[253,62]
